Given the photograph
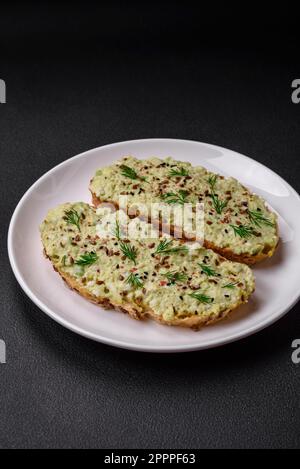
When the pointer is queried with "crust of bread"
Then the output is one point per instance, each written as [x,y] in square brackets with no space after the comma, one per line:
[194,322]
[225,252]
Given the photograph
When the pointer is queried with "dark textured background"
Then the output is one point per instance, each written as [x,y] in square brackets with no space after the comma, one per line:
[80,76]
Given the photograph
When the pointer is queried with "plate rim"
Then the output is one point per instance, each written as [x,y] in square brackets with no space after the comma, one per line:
[212,343]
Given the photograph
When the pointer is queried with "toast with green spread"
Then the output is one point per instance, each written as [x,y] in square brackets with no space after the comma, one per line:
[237,223]
[168,280]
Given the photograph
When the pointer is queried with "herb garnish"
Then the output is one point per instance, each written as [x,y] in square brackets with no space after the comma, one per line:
[87,259]
[258,219]
[126,248]
[164,247]
[208,270]
[172,198]
[180,172]
[117,231]
[218,204]
[128,251]
[243,231]
[201,297]
[72,217]
[174,277]
[212,182]
[131,173]
[134,280]
[230,285]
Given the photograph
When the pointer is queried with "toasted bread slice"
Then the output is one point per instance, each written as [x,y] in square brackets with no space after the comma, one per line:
[144,275]
[237,223]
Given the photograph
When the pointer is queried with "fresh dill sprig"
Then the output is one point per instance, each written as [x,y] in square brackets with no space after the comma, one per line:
[131,173]
[201,297]
[243,231]
[180,172]
[73,217]
[117,231]
[129,251]
[258,219]
[174,277]
[230,285]
[177,249]
[212,182]
[208,270]
[164,247]
[218,204]
[172,198]
[87,259]
[134,281]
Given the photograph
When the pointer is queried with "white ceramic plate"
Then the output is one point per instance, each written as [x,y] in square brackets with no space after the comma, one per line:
[278,286]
